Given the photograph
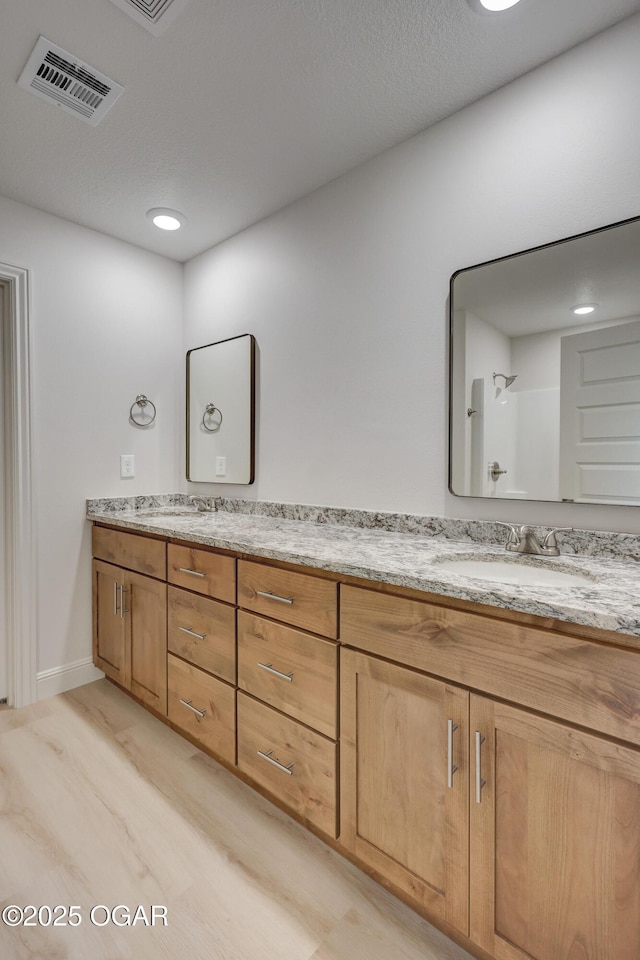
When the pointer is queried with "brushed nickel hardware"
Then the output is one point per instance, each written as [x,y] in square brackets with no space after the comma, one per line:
[141,401]
[451,766]
[187,704]
[549,544]
[205,505]
[267,756]
[523,539]
[274,596]
[471,411]
[480,783]
[115,599]
[508,380]
[495,470]
[192,633]
[214,425]
[194,573]
[271,669]
[123,590]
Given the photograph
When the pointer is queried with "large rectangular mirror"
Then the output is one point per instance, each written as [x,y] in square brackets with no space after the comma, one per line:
[221,411]
[545,372]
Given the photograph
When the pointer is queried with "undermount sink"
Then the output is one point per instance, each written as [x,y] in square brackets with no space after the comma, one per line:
[511,571]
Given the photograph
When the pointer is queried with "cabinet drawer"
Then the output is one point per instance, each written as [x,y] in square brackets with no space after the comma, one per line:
[203,571]
[203,631]
[288,760]
[297,598]
[290,670]
[588,684]
[210,716]
[129,550]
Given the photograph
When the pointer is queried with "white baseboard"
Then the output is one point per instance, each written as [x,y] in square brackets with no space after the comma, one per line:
[61,679]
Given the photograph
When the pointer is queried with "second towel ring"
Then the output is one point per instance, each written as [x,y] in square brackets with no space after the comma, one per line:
[209,411]
[142,401]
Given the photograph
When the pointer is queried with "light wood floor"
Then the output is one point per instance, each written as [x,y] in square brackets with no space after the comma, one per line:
[102,804]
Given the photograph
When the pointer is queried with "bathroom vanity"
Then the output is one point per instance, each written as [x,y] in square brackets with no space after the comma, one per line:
[473,745]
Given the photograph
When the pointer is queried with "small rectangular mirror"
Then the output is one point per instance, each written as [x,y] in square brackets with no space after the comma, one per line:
[221,411]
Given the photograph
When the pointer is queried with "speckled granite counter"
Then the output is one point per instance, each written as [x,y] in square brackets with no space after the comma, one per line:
[405,551]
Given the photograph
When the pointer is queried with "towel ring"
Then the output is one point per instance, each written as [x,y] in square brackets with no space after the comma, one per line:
[142,401]
[210,409]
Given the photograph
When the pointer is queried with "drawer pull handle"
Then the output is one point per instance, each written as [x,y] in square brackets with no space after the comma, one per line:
[267,756]
[271,669]
[192,633]
[451,766]
[274,596]
[194,573]
[480,783]
[187,703]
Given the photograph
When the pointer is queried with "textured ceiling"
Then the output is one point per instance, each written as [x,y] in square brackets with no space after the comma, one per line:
[242,106]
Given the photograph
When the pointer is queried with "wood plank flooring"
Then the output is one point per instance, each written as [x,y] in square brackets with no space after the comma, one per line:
[101,804]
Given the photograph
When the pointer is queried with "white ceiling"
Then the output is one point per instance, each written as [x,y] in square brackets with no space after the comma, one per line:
[243,106]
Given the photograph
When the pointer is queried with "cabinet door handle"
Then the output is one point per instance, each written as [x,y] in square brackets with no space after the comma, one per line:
[115,598]
[194,573]
[187,703]
[480,783]
[123,590]
[192,633]
[271,669]
[267,756]
[274,596]
[451,766]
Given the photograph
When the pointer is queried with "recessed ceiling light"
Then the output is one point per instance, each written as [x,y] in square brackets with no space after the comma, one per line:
[491,6]
[583,308]
[166,219]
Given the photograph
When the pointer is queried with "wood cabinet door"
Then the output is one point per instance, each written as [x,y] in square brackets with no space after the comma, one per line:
[555,840]
[110,640]
[404,781]
[202,706]
[146,615]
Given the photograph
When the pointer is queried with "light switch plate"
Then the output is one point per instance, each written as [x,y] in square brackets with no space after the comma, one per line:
[221,466]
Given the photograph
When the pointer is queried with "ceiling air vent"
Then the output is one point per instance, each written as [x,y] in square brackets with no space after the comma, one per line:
[74,86]
[155,15]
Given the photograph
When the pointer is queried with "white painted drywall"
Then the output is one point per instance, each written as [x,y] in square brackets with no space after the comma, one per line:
[105,325]
[347,289]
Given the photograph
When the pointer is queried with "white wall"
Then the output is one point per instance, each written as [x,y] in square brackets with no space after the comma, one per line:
[346,290]
[106,325]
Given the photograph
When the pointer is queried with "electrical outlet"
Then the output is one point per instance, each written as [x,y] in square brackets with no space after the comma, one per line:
[221,466]
[127,465]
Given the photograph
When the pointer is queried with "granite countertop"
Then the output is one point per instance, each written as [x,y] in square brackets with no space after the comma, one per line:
[608,600]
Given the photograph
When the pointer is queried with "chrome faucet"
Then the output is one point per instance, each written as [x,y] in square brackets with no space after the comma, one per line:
[204,505]
[523,539]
